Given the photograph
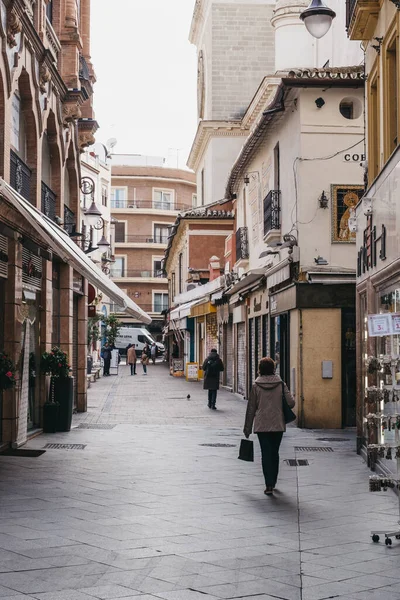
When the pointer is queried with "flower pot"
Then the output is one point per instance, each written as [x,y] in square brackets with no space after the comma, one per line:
[50,415]
[64,396]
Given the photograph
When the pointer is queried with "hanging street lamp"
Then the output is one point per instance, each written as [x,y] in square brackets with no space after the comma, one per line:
[317,18]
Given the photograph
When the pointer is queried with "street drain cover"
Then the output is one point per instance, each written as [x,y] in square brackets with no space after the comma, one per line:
[23,452]
[313,449]
[95,426]
[220,445]
[334,439]
[65,446]
[296,462]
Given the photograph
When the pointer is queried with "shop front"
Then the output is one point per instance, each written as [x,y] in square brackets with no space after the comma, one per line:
[258,331]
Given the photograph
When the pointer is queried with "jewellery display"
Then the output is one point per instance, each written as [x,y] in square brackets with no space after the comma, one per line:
[383,430]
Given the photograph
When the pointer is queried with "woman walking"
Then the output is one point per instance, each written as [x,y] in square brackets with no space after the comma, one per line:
[145,357]
[264,408]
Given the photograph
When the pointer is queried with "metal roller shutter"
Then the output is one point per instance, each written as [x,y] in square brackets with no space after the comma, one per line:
[229,355]
[75,349]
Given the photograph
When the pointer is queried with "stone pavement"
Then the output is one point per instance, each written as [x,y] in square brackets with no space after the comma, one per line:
[157,506]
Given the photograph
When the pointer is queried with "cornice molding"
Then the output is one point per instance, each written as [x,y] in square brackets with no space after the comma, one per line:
[210,129]
[261,100]
[196,21]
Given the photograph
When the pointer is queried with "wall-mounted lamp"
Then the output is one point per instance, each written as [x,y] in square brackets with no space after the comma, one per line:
[323,200]
[317,18]
[241,298]
[246,180]
[320,102]
[320,260]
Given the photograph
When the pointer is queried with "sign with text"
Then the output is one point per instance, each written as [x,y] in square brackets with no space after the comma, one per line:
[384,324]
[192,372]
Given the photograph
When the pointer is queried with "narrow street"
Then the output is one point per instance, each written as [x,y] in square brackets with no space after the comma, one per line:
[155,505]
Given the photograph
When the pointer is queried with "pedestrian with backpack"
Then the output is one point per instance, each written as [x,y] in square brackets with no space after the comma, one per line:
[212,367]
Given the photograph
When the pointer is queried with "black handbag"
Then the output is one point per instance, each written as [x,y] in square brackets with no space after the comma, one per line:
[246,451]
[288,414]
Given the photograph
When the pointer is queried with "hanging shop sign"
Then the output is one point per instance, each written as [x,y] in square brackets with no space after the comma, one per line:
[368,253]
[384,324]
[77,283]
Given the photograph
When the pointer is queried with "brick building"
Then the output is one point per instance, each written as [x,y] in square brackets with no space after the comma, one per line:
[146,198]
[46,120]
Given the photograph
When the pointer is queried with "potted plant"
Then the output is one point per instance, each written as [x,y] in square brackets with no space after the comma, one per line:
[57,412]
[7,372]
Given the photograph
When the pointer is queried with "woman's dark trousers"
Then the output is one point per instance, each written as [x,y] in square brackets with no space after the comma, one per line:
[269,443]
[133,368]
[212,398]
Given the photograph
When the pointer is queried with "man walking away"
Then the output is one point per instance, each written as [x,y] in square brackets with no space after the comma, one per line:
[153,350]
[106,353]
[212,367]
[131,358]
[145,357]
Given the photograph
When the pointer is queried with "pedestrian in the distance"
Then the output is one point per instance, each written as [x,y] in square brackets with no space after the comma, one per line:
[145,357]
[106,355]
[212,367]
[264,409]
[153,351]
[131,358]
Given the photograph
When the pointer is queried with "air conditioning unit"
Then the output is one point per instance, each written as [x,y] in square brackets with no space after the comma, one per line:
[191,286]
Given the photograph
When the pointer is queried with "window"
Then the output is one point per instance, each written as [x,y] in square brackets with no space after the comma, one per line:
[160,302]
[391,83]
[49,10]
[194,200]
[277,168]
[157,268]
[118,197]
[118,268]
[173,285]
[120,232]
[373,126]
[104,195]
[161,233]
[162,200]
[180,273]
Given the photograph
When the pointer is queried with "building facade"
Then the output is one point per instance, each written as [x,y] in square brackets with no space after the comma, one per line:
[46,85]
[376,26]
[145,202]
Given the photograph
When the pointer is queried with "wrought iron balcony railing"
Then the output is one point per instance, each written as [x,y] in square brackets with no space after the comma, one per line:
[149,204]
[123,273]
[141,239]
[69,220]
[272,210]
[20,176]
[84,72]
[242,243]
[49,202]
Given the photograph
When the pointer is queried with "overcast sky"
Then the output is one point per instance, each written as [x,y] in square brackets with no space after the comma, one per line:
[145,94]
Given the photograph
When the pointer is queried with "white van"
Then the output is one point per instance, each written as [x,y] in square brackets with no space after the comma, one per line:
[138,336]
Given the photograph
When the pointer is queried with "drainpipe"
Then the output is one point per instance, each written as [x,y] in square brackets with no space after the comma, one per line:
[301,407]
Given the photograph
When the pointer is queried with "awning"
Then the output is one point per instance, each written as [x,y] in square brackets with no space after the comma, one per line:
[217,296]
[251,279]
[183,310]
[331,278]
[60,242]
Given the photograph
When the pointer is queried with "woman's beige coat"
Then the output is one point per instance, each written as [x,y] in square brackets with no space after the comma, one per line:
[264,407]
[131,357]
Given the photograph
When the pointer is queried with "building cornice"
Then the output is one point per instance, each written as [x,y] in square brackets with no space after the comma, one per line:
[208,130]
[262,98]
[198,12]
[148,177]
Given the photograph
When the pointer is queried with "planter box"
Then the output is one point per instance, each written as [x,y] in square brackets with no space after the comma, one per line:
[64,396]
[50,417]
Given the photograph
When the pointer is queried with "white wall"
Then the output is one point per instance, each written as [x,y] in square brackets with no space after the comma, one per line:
[335,46]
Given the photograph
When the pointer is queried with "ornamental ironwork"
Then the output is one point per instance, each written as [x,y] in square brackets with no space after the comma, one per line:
[272,210]
[242,243]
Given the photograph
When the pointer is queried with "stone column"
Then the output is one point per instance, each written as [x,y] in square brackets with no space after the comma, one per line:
[85,29]
[13,320]
[82,350]
[66,309]
[70,14]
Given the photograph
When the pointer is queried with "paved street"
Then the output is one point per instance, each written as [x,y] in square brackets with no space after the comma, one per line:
[157,506]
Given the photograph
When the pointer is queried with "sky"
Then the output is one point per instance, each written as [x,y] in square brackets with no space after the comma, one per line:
[146,69]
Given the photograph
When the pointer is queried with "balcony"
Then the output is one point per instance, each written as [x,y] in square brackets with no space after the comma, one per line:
[361,18]
[49,202]
[242,244]
[148,205]
[69,221]
[272,215]
[20,176]
[142,239]
[136,274]
[84,76]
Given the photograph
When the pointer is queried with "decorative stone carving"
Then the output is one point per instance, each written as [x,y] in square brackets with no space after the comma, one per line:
[14,26]
[71,112]
[44,77]
[85,139]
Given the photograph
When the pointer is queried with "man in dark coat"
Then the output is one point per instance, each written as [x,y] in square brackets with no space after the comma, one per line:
[106,354]
[212,367]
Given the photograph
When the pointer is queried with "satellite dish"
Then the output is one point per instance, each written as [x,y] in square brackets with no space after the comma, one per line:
[111,143]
